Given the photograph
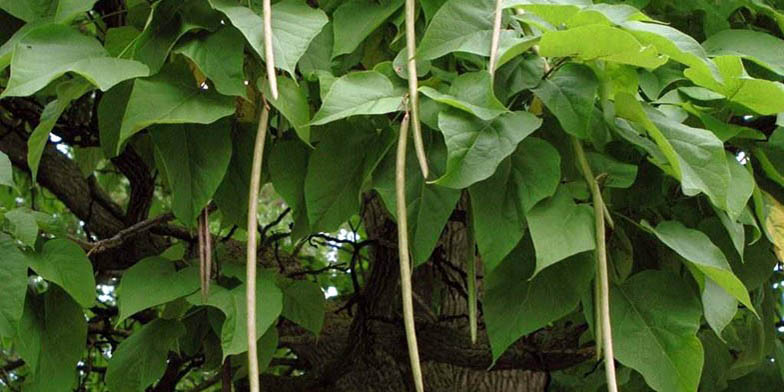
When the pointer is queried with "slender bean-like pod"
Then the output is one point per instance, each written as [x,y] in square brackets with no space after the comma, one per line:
[269,57]
[405,262]
[250,283]
[601,261]
[496,37]
[472,299]
[419,145]
[205,253]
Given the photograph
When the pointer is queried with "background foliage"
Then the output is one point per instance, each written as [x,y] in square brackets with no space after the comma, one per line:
[121,121]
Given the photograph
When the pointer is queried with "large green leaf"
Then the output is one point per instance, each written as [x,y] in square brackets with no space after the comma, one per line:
[764,49]
[560,228]
[354,20]
[718,305]
[304,304]
[13,283]
[6,171]
[171,97]
[292,103]
[516,303]
[51,51]
[220,59]
[51,340]
[195,159]
[368,92]
[153,281]
[67,91]
[33,10]
[288,165]
[501,202]
[428,205]
[472,34]
[697,248]
[607,43]
[170,20]
[231,197]
[570,95]
[294,25]
[23,225]
[337,170]
[234,335]
[140,359]
[476,147]
[655,318]
[64,262]
[471,92]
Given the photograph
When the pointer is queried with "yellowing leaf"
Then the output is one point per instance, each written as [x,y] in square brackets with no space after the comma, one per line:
[774,224]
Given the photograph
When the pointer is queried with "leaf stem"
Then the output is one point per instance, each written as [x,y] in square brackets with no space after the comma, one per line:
[253,202]
[405,262]
[495,37]
[601,261]
[268,54]
[419,145]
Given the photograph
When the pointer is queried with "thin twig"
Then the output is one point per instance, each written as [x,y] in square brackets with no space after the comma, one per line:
[405,262]
[471,261]
[269,58]
[253,201]
[601,260]
[419,145]
[495,37]
[205,253]
[124,234]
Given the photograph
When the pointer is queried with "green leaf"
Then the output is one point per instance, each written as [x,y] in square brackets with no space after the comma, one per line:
[570,95]
[220,59]
[477,147]
[51,51]
[761,48]
[560,228]
[170,20]
[517,303]
[63,262]
[472,34]
[13,283]
[742,186]
[471,92]
[356,93]
[25,228]
[170,97]
[140,359]
[119,39]
[655,318]
[67,91]
[291,103]
[231,197]
[33,10]
[619,174]
[6,171]
[501,202]
[337,170]
[607,44]
[354,20]
[195,159]
[697,248]
[719,306]
[294,25]
[51,340]
[428,205]
[304,304]
[153,281]
[288,165]
[234,335]
[762,96]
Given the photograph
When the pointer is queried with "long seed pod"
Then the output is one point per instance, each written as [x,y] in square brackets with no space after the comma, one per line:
[269,58]
[253,201]
[471,271]
[205,253]
[405,262]
[601,261]
[419,145]
[496,37]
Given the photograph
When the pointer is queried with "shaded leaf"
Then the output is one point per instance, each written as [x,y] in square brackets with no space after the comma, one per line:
[153,281]
[64,262]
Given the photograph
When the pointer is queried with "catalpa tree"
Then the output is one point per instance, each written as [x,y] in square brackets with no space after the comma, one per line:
[391,195]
